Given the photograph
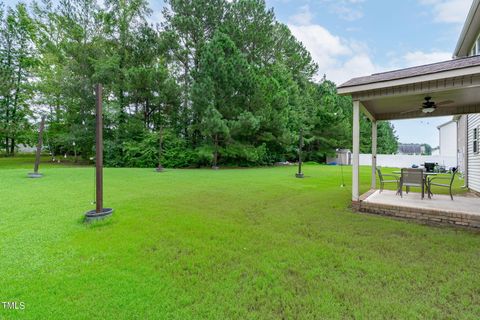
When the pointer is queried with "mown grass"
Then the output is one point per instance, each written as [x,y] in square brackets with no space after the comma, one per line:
[227,244]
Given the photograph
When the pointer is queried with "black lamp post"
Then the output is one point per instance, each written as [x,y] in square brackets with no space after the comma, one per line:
[35,173]
[100,212]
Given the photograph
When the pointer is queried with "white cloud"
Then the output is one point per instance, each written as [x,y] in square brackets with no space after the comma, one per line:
[338,58]
[349,10]
[448,11]
[342,59]
[346,10]
[303,17]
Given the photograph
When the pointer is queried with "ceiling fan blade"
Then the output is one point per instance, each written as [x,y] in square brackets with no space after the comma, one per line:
[443,103]
[411,110]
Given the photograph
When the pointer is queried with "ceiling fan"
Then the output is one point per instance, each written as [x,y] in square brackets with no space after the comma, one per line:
[428,106]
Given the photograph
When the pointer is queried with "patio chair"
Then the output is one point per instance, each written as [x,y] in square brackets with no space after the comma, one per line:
[443,185]
[382,176]
[412,178]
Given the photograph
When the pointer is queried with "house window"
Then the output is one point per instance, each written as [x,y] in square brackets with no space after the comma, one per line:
[476,137]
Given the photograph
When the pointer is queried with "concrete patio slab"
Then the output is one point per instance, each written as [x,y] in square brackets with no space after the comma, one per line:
[462,211]
[460,204]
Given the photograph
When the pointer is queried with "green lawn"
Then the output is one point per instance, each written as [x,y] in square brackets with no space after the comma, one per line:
[227,244]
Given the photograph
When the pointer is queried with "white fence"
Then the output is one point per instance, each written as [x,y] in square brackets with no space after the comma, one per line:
[406,161]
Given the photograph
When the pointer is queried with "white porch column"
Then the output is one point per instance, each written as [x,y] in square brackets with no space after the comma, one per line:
[374,154]
[356,152]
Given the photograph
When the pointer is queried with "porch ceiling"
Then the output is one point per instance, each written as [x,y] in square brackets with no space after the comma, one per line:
[465,100]
[396,95]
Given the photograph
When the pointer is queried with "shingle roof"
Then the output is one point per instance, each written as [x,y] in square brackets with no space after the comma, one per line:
[415,71]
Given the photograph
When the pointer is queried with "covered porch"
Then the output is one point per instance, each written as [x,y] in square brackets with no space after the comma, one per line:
[440,89]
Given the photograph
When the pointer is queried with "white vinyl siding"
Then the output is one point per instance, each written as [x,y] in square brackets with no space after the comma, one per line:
[473,157]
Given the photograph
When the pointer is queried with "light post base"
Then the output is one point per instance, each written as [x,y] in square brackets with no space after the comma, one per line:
[159,169]
[215,167]
[92,215]
[35,175]
[299,175]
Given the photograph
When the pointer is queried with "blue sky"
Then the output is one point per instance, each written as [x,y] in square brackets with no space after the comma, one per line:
[349,38]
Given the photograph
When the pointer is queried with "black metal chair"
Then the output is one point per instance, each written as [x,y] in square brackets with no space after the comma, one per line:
[382,176]
[443,185]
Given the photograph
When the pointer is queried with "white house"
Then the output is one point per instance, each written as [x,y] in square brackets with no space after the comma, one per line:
[447,134]
[468,45]
[439,89]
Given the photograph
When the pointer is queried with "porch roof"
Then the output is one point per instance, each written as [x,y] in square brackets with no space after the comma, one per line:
[432,68]
[453,85]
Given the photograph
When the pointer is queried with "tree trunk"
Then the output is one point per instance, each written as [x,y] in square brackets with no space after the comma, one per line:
[12,147]
[39,145]
[6,131]
[300,146]
[215,153]
[14,110]
[160,148]
[186,94]
[8,96]
[146,114]
[7,119]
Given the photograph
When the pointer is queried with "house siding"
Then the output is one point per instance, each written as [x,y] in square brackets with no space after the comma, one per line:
[473,159]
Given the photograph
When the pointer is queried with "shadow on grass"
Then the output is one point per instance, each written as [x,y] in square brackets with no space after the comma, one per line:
[95,224]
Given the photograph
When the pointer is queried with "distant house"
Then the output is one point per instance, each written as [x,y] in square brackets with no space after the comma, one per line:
[410,149]
[447,133]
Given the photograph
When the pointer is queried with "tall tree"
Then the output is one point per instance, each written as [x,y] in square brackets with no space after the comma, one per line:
[17,60]
[189,25]
[123,22]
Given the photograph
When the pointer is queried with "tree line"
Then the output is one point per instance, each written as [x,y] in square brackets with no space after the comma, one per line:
[213,82]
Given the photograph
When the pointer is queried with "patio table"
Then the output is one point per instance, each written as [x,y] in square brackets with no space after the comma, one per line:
[424,174]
